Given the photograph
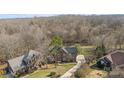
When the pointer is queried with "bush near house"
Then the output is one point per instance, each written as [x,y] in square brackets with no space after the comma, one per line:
[100,51]
[53,75]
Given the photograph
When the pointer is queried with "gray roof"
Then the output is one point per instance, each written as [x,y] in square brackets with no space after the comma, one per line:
[33,52]
[65,50]
[16,63]
[30,55]
[70,50]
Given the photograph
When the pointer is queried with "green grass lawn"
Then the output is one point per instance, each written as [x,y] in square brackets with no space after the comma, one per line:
[60,69]
[87,50]
[2,77]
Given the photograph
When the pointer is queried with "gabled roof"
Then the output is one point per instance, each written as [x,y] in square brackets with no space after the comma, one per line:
[67,50]
[16,63]
[30,55]
[64,49]
[33,52]
[70,50]
[55,49]
[116,57]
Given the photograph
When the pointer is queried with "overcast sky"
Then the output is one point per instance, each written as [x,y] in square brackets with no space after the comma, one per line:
[4,16]
[50,7]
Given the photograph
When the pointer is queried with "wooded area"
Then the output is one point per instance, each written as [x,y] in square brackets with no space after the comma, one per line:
[18,36]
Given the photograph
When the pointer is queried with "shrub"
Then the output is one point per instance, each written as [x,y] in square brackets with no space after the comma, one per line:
[83,71]
[79,49]
[79,73]
[100,51]
[17,75]
[53,75]
[57,41]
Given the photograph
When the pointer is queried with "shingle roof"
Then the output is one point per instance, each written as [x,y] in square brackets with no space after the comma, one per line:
[65,50]
[116,57]
[16,63]
[55,49]
[29,56]
[68,50]
[71,50]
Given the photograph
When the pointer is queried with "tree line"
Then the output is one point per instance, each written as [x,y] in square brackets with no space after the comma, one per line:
[18,36]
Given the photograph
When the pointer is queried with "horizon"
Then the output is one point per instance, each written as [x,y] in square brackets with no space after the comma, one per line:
[14,16]
[17,16]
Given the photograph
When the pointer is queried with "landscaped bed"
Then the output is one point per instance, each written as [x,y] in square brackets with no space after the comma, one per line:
[56,72]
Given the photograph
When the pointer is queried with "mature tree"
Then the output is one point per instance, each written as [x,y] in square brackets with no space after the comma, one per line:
[79,49]
[119,36]
[56,43]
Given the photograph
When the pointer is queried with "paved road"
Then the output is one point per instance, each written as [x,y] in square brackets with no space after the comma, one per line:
[80,60]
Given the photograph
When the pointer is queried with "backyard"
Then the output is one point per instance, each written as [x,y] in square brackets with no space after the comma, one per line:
[87,50]
[59,70]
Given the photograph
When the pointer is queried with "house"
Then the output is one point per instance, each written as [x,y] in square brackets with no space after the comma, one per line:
[112,60]
[23,63]
[62,54]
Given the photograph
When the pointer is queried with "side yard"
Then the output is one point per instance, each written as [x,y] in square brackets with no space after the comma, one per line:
[86,70]
[51,71]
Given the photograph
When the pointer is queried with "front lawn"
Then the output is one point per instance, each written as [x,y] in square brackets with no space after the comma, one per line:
[60,70]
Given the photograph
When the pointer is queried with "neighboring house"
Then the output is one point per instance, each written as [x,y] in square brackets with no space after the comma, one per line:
[23,63]
[64,54]
[112,60]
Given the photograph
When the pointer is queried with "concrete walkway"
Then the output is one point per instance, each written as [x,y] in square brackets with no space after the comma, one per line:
[70,73]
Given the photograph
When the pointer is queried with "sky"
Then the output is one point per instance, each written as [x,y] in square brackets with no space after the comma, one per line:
[11,16]
[30,8]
